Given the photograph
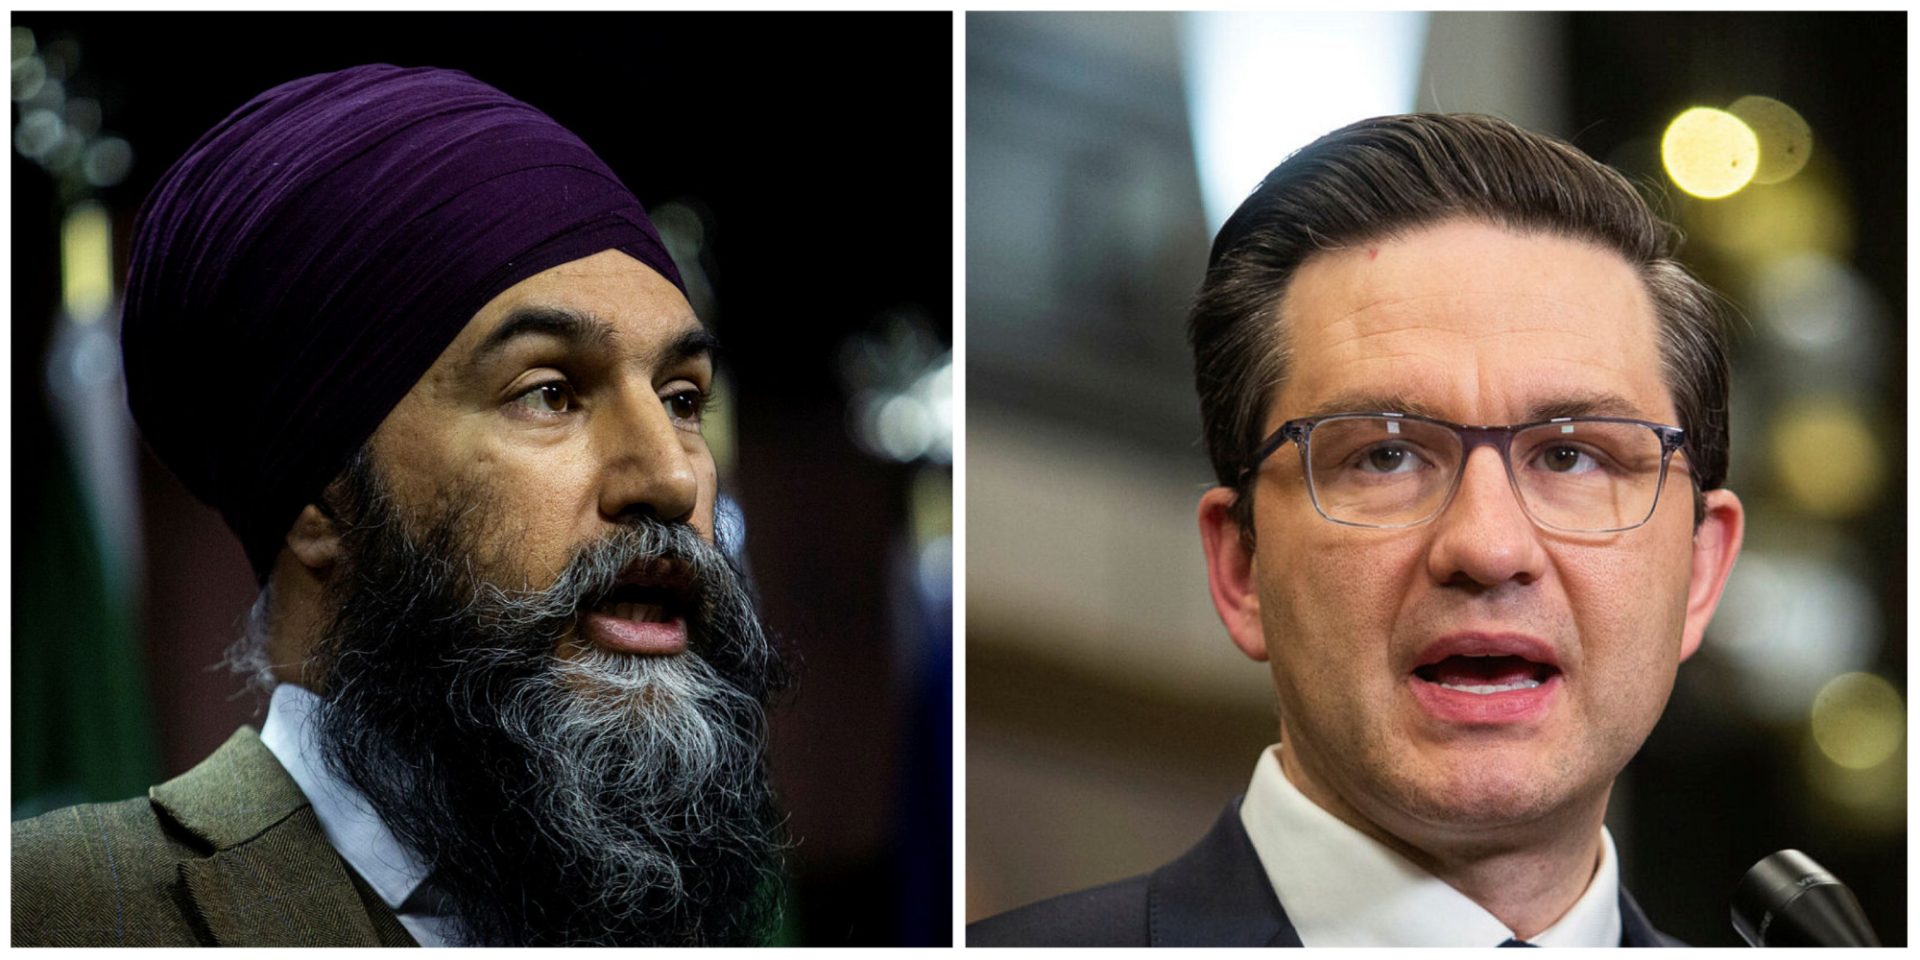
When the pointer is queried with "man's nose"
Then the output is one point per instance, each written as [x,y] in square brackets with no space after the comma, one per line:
[648,467]
[1485,536]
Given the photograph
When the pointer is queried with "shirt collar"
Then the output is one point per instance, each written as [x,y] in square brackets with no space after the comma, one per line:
[349,822]
[1342,888]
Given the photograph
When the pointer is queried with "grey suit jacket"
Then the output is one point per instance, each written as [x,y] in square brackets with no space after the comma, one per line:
[1216,895]
[228,853]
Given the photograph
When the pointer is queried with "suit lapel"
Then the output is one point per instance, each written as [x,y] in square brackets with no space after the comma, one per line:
[1636,930]
[278,891]
[1217,895]
[271,879]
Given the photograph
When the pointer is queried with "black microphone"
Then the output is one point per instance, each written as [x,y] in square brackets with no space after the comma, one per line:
[1787,900]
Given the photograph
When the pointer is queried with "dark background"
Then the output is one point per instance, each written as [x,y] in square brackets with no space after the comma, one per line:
[818,149]
[1108,718]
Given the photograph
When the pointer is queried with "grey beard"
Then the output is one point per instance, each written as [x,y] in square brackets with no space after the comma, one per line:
[631,754]
[600,798]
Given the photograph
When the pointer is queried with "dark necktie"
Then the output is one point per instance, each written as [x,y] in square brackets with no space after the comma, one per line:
[1511,942]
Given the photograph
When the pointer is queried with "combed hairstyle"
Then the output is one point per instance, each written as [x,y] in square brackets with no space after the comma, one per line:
[1382,178]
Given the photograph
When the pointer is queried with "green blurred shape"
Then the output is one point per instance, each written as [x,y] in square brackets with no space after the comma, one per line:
[82,726]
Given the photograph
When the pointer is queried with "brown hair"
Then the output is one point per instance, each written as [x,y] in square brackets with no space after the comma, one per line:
[1381,177]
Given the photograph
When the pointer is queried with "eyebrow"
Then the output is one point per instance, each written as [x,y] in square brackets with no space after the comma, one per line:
[1592,404]
[577,329]
[691,343]
[584,331]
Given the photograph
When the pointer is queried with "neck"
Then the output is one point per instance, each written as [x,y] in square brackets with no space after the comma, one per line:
[1527,876]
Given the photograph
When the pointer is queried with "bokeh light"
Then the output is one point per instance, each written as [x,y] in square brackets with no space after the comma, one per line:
[1805,213]
[86,263]
[1858,720]
[38,133]
[1786,141]
[1813,304]
[50,94]
[900,426]
[901,383]
[107,161]
[1869,801]
[1826,457]
[930,502]
[29,75]
[63,57]
[1787,622]
[1709,153]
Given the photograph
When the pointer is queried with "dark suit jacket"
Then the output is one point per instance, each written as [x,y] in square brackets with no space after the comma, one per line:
[228,853]
[1215,895]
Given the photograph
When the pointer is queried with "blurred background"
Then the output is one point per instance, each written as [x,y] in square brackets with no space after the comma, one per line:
[800,170]
[1109,719]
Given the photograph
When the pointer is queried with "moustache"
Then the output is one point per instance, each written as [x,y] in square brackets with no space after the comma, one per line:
[647,561]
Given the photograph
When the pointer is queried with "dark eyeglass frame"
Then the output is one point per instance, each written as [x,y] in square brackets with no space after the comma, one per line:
[1300,432]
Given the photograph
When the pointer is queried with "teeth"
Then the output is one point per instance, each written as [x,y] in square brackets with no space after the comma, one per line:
[638,612]
[1493,687]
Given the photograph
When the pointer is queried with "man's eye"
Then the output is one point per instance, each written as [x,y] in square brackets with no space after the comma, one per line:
[686,405]
[552,397]
[1388,459]
[1565,459]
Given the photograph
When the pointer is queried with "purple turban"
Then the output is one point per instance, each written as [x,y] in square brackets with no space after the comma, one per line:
[303,265]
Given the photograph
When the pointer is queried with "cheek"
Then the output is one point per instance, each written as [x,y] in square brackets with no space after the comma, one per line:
[1629,605]
[1630,611]
[708,475]
[528,514]
[1329,601]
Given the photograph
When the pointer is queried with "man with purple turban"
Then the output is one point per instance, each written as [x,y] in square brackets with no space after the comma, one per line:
[431,362]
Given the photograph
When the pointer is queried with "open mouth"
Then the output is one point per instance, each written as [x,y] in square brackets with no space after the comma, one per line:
[643,603]
[645,612]
[1486,674]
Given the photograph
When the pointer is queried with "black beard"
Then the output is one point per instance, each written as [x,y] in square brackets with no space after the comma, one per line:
[599,799]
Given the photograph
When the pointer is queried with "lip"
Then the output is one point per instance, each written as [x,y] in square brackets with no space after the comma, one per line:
[645,637]
[1479,644]
[1512,707]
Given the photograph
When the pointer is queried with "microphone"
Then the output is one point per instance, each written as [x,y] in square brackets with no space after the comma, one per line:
[1787,900]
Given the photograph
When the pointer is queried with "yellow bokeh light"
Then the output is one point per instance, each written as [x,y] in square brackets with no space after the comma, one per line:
[1858,720]
[1803,214]
[931,502]
[1867,801]
[1826,457]
[1785,139]
[86,263]
[1709,153]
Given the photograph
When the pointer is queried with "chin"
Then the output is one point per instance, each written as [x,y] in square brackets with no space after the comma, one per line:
[1487,790]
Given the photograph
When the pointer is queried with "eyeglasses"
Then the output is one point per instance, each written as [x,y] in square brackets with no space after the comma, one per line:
[1577,474]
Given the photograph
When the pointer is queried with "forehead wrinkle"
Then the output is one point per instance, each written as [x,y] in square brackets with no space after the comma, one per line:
[1467,309]
[1425,383]
[1527,326]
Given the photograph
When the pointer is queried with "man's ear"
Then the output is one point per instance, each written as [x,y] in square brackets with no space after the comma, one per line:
[315,539]
[1715,545]
[1230,572]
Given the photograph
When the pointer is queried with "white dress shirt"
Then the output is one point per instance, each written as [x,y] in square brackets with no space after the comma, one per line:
[349,823]
[1342,888]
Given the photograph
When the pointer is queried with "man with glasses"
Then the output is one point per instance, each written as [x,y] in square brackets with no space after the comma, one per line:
[1469,423]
